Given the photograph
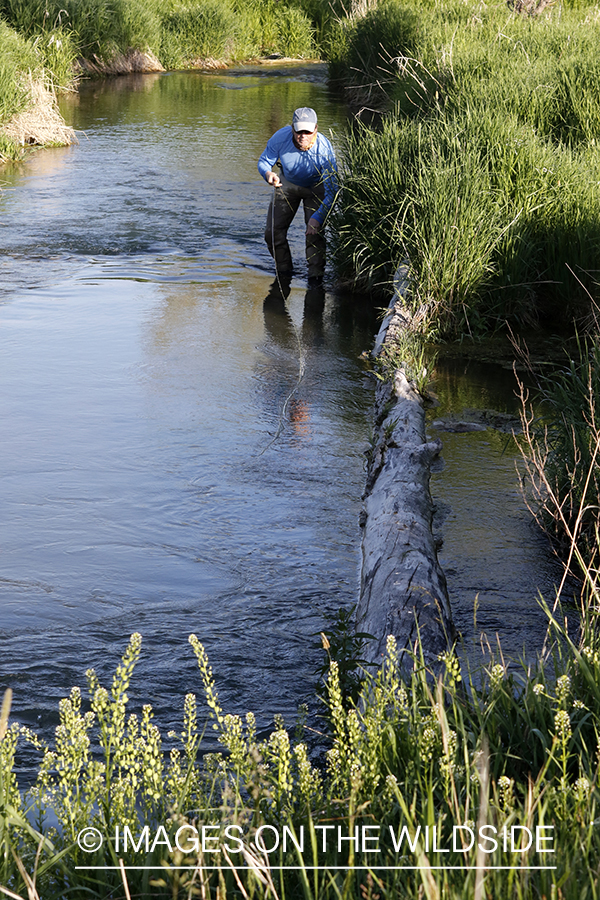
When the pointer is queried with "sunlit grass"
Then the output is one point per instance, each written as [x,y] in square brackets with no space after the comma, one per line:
[485,172]
[179,33]
[219,29]
[16,55]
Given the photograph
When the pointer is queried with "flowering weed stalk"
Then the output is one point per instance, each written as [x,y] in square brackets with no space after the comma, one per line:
[453,775]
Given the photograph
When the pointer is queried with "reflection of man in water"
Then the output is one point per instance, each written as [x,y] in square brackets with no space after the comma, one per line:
[291,348]
[308,175]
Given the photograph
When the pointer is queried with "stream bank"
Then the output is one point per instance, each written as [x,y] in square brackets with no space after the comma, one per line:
[41,124]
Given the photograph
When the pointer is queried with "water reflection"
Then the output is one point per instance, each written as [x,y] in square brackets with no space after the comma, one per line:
[278,321]
[280,326]
[495,559]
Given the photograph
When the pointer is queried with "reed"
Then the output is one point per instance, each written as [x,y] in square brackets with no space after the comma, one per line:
[562,456]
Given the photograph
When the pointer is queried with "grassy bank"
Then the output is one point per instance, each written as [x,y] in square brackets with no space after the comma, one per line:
[16,55]
[53,39]
[178,33]
[30,71]
[485,171]
[514,756]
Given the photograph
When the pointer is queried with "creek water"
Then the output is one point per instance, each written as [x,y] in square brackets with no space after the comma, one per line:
[164,469]
[152,479]
[497,563]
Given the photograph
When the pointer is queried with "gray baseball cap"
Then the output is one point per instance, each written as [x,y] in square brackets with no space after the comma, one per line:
[305,119]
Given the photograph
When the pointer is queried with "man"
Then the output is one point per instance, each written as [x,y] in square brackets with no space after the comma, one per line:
[308,174]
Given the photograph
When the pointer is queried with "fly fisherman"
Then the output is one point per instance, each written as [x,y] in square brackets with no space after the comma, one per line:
[308,174]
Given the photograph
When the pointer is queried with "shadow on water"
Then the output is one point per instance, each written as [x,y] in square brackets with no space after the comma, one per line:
[496,561]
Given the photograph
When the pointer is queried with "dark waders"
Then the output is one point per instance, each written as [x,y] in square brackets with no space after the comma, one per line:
[283,208]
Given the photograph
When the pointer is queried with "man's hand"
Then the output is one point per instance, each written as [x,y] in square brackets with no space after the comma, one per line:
[273,179]
[314,226]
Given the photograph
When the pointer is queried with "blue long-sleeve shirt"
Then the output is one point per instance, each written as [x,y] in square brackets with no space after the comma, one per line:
[305,168]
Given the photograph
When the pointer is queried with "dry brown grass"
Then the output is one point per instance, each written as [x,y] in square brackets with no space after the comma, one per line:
[121,64]
[41,123]
[209,63]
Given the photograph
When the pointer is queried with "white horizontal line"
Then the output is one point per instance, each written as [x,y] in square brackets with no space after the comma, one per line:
[319,868]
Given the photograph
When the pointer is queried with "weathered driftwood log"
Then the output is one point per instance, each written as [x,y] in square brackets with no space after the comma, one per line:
[403,588]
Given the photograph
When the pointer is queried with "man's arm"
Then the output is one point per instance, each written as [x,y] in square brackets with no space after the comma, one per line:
[268,158]
[329,179]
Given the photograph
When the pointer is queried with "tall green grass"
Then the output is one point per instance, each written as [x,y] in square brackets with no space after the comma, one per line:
[502,749]
[16,56]
[485,172]
[179,32]
[26,50]
[100,27]
[232,30]
[366,46]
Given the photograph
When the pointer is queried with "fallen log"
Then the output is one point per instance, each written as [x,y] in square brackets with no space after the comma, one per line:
[403,588]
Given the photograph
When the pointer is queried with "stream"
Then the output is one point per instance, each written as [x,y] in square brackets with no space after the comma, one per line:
[163,468]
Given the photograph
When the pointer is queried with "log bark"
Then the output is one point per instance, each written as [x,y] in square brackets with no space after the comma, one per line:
[403,588]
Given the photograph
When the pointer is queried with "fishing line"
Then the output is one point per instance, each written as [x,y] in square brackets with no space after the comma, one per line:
[301,353]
